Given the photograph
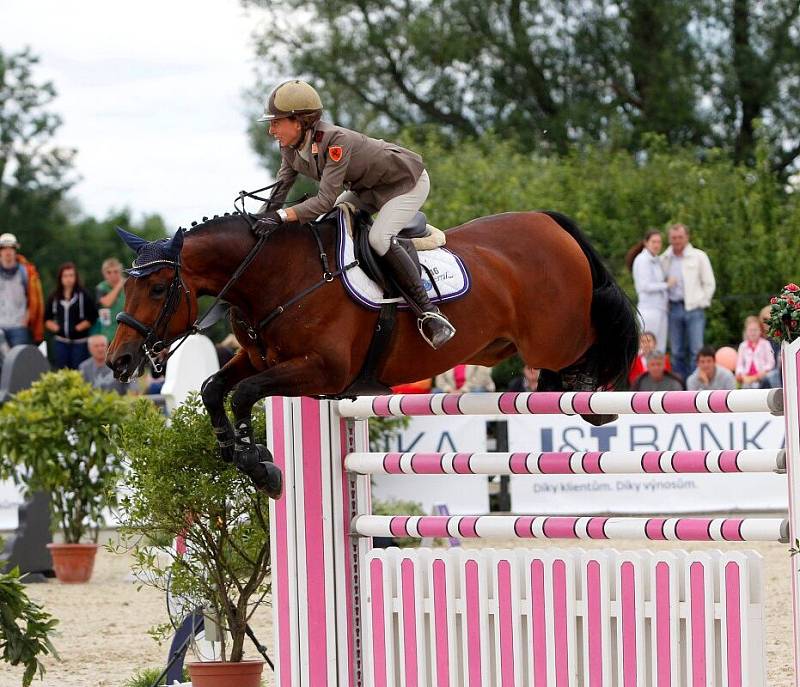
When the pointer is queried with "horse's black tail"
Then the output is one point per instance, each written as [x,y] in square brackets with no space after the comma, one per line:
[613,316]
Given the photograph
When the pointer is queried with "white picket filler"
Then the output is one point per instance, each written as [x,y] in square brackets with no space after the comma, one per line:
[346,614]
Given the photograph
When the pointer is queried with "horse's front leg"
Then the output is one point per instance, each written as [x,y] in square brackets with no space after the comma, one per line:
[296,377]
[213,393]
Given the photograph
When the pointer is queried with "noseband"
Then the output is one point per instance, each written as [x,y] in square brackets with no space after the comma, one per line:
[155,336]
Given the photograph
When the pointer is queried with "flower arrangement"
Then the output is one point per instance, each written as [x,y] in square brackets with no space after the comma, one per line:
[784,315]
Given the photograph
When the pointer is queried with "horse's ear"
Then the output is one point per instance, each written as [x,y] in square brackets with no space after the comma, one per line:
[177,242]
[131,240]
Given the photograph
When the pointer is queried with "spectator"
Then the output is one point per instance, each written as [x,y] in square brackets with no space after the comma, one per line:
[21,300]
[70,314]
[647,344]
[692,287]
[709,376]
[657,378]
[110,298]
[94,369]
[226,349]
[774,378]
[464,378]
[527,381]
[755,359]
[651,284]
[423,386]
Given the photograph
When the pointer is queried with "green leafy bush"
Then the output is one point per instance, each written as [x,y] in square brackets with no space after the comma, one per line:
[25,628]
[54,438]
[744,217]
[147,676]
[176,484]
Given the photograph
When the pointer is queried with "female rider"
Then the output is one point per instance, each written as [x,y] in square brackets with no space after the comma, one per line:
[372,174]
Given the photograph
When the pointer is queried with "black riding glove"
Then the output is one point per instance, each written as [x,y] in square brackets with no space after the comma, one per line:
[267,223]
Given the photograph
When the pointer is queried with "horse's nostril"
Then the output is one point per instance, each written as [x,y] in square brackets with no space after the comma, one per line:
[121,364]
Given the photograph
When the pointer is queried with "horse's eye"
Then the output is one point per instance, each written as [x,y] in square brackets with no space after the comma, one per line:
[158,290]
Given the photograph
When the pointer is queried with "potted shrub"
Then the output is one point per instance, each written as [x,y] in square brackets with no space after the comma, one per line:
[175,484]
[25,628]
[55,435]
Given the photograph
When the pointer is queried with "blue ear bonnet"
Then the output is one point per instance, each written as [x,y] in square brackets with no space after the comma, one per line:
[152,256]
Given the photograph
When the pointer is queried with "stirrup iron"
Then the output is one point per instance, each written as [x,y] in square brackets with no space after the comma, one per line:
[442,320]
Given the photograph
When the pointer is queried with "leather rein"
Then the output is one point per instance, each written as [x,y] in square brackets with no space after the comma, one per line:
[156,341]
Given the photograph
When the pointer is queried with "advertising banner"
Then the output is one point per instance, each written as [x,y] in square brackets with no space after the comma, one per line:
[650,493]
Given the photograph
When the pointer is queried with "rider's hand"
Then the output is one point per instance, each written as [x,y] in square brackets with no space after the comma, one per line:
[267,223]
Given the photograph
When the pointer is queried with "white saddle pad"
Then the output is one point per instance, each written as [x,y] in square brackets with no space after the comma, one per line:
[450,273]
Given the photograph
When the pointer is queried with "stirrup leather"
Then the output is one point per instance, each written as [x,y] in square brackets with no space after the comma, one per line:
[433,315]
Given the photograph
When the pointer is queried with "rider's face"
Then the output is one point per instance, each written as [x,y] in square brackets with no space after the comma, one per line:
[286,131]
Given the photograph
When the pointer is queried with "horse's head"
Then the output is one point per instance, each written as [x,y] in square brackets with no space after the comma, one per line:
[159,306]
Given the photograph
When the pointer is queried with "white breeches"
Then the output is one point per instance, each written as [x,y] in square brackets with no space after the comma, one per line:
[395,215]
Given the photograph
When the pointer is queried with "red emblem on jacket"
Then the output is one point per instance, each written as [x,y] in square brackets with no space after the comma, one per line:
[335,153]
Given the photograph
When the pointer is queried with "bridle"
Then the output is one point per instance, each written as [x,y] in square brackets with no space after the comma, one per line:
[155,336]
[155,339]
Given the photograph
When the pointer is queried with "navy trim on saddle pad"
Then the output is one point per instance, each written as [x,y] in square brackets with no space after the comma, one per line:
[363,299]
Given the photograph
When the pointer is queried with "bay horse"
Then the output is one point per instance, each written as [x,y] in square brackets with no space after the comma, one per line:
[538,289]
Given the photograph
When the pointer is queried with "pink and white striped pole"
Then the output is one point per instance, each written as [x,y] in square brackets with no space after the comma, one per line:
[567,463]
[563,527]
[566,403]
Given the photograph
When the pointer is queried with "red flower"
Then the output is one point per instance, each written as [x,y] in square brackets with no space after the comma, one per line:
[791,287]
[773,300]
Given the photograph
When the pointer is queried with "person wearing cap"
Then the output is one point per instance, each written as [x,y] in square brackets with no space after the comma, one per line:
[374,175]
[21,299]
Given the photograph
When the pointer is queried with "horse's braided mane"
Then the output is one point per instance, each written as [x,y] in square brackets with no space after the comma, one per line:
[208,222]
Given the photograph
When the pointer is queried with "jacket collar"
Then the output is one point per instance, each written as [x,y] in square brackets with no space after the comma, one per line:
[689,250]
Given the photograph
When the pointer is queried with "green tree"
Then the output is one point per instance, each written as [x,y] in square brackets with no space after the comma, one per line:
[176,484]
[753,57]
[87,241]
[741,216]
[35,173]
[552,74]
[25,628]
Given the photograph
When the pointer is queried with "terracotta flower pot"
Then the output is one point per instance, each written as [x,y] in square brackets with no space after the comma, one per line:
[73,563]
[226,674]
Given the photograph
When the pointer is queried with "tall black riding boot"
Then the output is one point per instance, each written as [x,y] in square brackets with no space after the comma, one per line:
[434,327]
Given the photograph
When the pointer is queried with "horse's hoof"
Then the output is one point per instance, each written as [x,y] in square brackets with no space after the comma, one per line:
[256,463]
[597,420]
[271,483]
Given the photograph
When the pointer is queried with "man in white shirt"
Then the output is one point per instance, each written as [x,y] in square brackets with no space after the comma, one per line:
[692,287]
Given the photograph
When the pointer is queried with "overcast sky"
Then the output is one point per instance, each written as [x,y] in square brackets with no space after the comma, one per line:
[151,97]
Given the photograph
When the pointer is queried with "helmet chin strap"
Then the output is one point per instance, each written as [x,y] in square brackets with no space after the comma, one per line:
[305,132]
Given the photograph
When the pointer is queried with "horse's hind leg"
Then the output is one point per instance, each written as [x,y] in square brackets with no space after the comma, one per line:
[213,393]
[577,377]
